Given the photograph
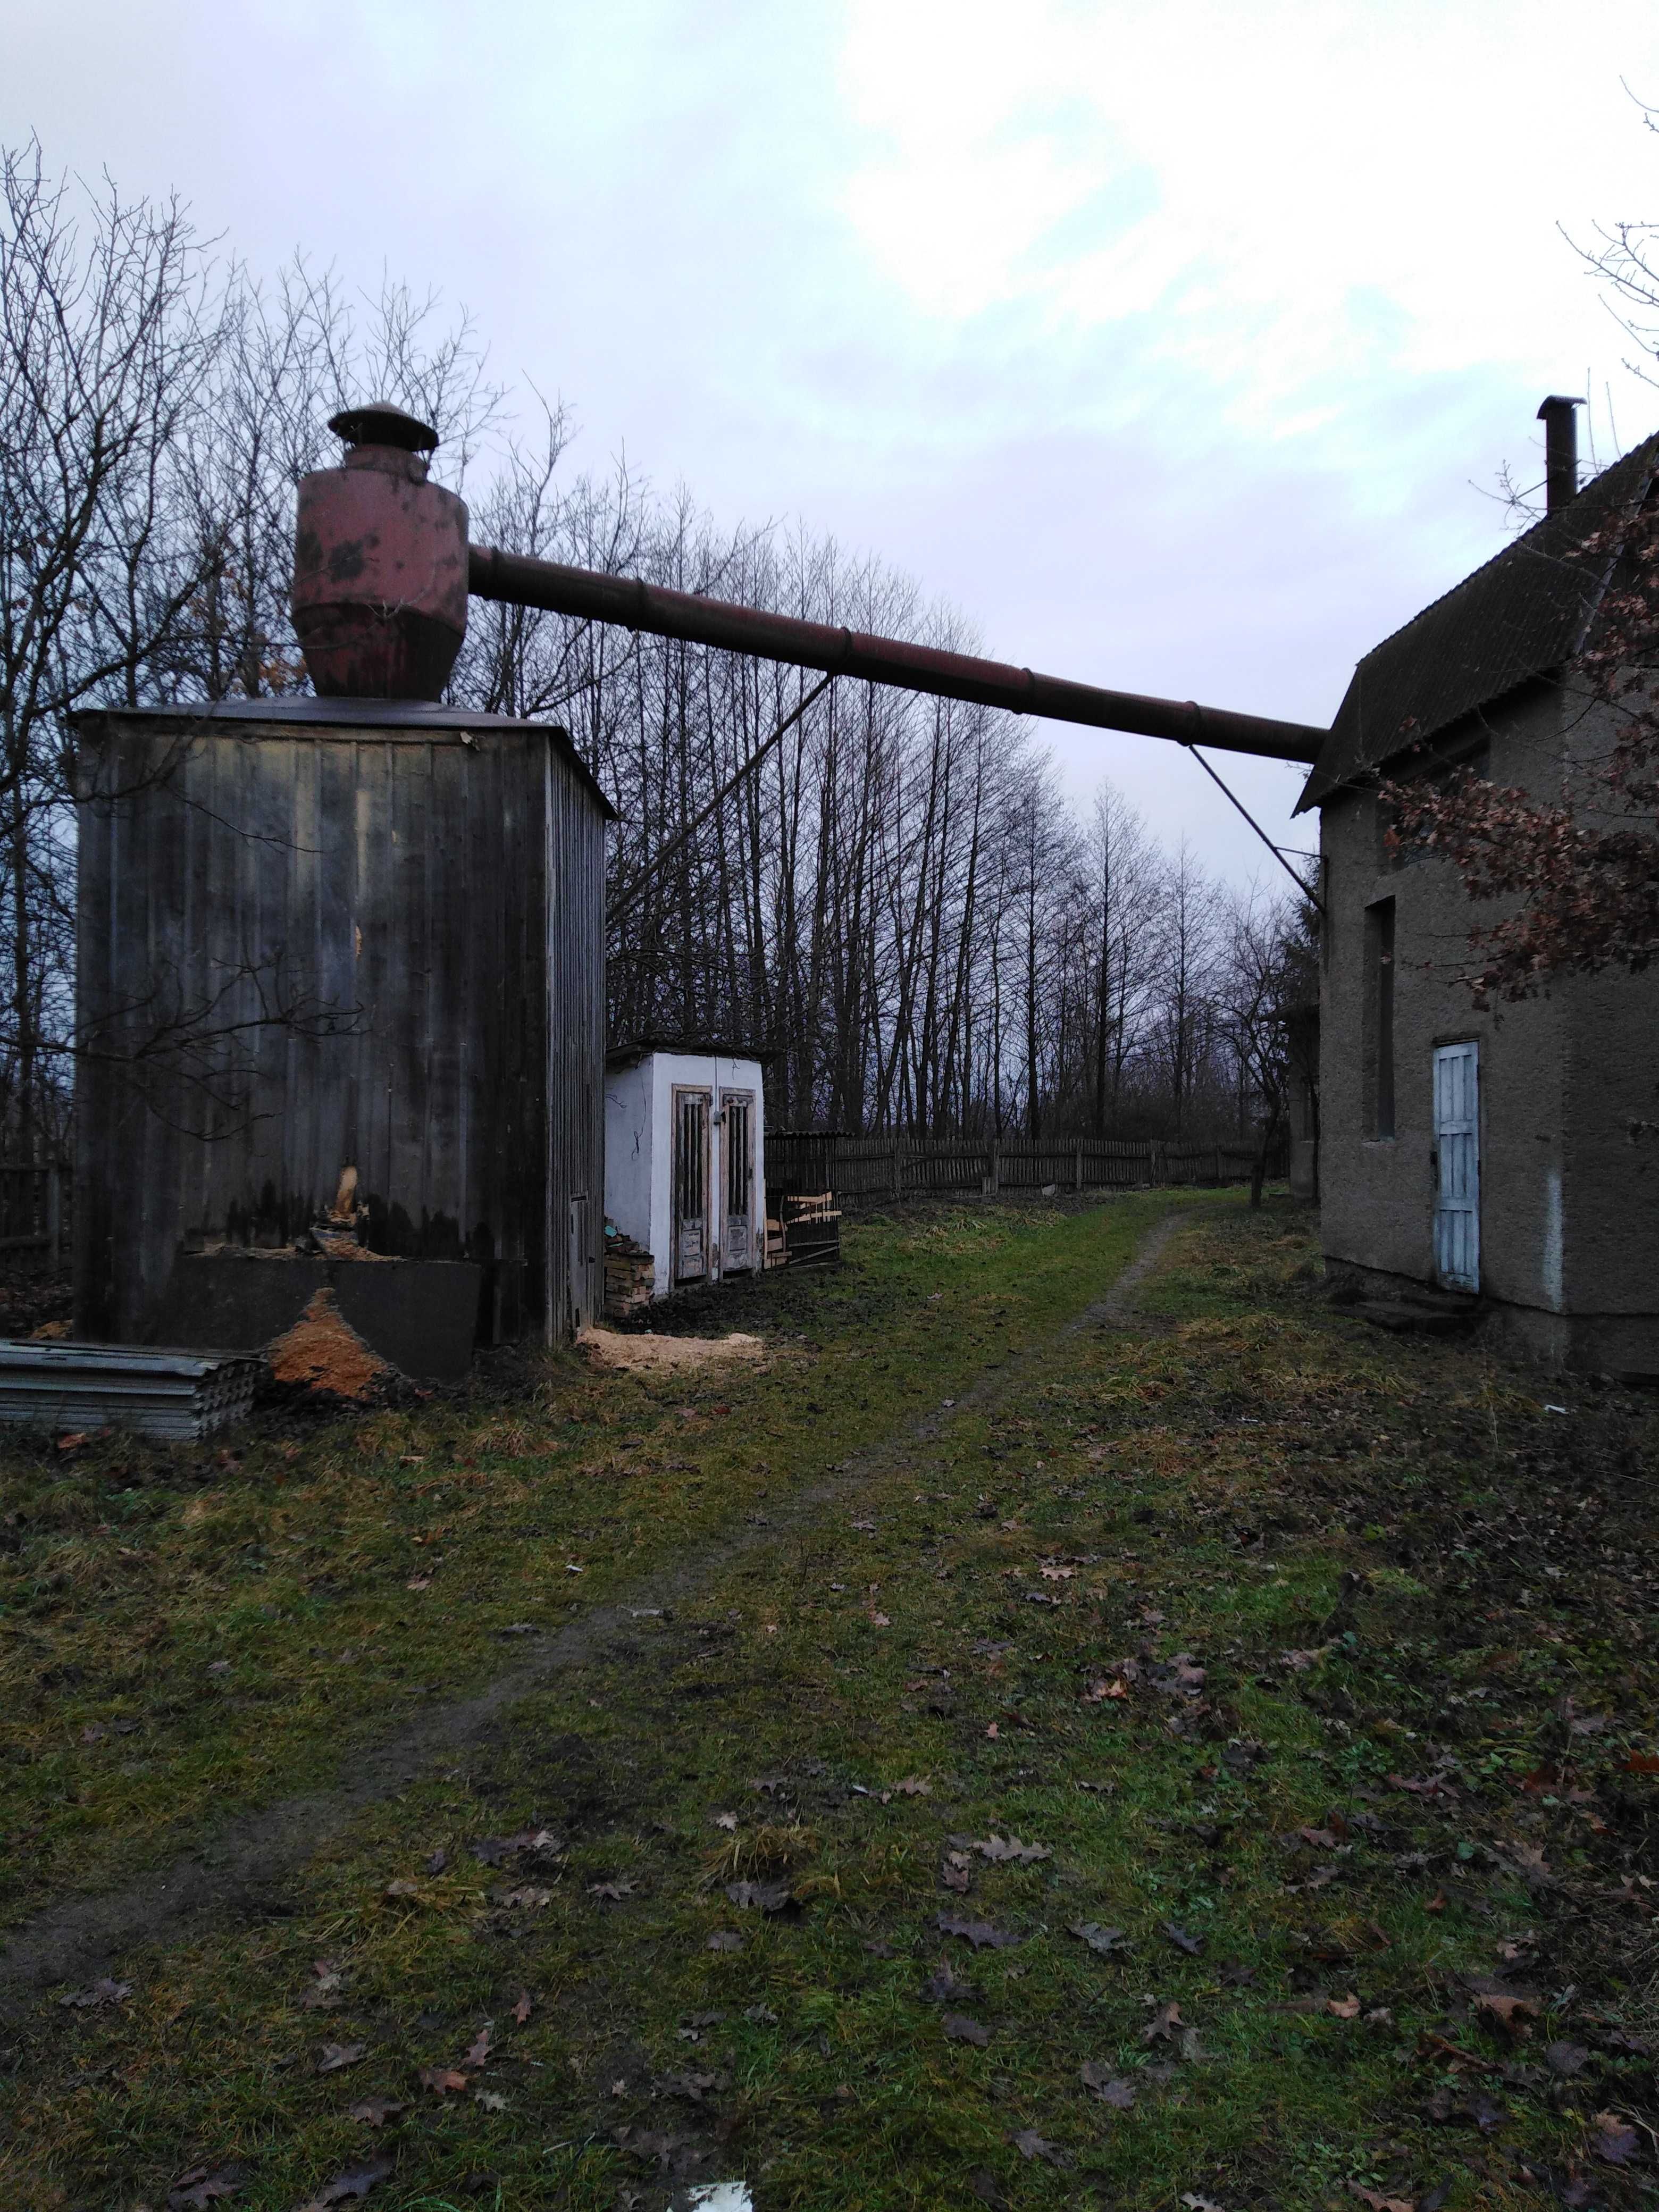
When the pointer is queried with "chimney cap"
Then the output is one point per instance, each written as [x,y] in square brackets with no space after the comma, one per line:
[1554,404]
[380,423]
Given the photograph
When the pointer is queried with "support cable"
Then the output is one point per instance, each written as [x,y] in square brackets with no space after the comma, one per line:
[655,867]
[1312,896]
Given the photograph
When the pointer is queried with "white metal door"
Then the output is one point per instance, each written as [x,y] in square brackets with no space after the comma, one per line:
[737,1116]
[691,1206]
[1457,1154]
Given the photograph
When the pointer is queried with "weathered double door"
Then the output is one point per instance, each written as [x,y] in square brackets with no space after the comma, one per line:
[714,1185]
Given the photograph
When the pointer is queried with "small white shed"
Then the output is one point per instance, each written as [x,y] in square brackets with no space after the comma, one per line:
[684,1158]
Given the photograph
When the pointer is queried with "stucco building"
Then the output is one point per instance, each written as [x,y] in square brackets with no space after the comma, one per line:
[1509,1153]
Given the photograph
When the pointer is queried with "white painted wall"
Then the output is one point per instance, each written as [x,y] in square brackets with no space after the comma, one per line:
[629,1126]
[639,1146]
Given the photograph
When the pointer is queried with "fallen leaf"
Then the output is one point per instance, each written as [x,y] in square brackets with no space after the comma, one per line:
[1029,2144]
[203,2186]
[1191,1945]
[1098,1692]
[68,1443]
[478,2054]
[1511,2012]
[436,1862]
[418,1582]
[336,2055]
[97,1995]
[959,2028]
[1343,2008]
[879,1620]
[1431,1787]
[614,1892]
[724,1939]
[441,2080]
[1197,2203]
[523,1900]
[1009,1849]
[1109,2087]
[1642,1762]
[943,1987]
[759,1896]
[324,1993]
[1057,1574]
[978,1933]
[914,1785]
[992,1731]
[522,2010]
[402,1887]
[982,2184]
[726,1821]
[1166,2025]
[1436,1902]
[492,2099]
[375,2112]
[356,2183]
[693,2087]
[93,1732]
[1613,2139]
[1380,2203]
[1106,1940]
[1566,2058]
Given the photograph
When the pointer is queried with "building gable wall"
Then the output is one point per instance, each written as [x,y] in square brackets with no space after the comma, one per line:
[1569,1134]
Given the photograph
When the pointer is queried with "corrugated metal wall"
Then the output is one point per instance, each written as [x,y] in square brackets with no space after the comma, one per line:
[309,941]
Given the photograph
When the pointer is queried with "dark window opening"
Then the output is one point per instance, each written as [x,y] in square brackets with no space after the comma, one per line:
[1377,1027]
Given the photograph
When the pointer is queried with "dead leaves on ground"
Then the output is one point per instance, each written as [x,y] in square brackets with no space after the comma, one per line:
[979,1933]
[97,1996]
[354,2183]
[204,2185]
[1106,2084]
[1108,1941]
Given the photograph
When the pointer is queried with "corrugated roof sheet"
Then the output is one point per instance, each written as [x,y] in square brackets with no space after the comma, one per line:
[1523,614]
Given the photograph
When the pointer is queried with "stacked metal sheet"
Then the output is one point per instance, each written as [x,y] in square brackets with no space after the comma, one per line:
[180,1394]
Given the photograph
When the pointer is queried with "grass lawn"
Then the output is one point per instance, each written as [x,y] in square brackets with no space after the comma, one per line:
[972,1755]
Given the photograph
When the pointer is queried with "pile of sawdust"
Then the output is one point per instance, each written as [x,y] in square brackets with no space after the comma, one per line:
[609,1347]
[323,1352]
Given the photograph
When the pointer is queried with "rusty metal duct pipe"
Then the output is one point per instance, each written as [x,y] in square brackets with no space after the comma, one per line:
[1560,423]
[590,594]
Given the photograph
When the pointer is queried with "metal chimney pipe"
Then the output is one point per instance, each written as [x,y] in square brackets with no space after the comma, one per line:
[1560,451]
[589,593]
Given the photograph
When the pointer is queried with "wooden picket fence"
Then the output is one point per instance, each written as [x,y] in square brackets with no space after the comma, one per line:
[874,1169]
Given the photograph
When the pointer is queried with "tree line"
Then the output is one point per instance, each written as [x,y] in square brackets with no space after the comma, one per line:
[899,899]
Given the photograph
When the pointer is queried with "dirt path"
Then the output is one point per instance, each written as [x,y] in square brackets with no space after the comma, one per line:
[81,1937]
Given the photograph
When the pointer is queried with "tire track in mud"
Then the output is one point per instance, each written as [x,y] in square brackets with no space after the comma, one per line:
[235,1869]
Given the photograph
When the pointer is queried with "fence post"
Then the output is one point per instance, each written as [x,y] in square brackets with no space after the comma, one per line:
[1079,1163]
[1160,1161]
[996,1166]
[897,1170]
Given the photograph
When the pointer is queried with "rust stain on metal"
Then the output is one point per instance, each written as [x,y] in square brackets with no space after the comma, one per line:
[380,564]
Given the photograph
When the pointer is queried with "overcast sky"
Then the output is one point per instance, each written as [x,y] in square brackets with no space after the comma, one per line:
[1179,345]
